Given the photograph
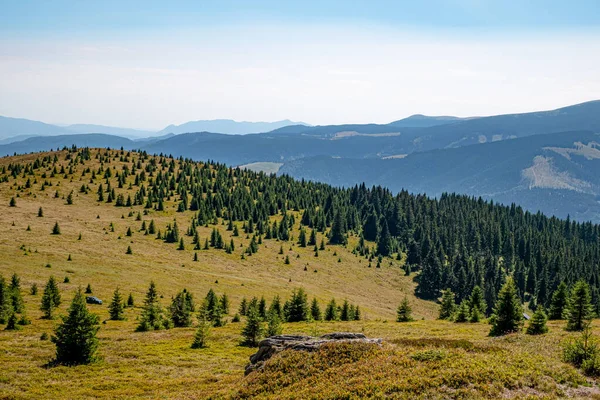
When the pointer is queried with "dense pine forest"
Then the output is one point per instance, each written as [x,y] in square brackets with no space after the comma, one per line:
[455,242]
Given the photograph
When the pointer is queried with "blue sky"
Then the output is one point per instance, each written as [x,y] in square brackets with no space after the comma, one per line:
[148,64]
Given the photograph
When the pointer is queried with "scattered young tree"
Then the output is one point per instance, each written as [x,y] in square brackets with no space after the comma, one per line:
[331,311]
[13,202]
[75,338]
[50,298]
[203,331]
[448,305]
[115,308]
[253,331]
[315,310]
[477,301]
[508,311]
[559,302]
[404,312]
[579,307]
[296,308]
[274,326]
[88,289]
[130,301]
[56,229]
[181,309]
[152,315]
[537,326]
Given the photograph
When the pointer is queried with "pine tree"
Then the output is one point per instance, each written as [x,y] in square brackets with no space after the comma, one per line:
[203,331]
[404,312]
[462,312]
[181,309]
[56,229]
[253,331]
[274,327]
[384,241]
[11,324]
[337,234]
[130,301]
[296,308]
[448,305]
[243,307]
[345,314]
[129,251]
[559,302]
[115,308]
[75,338]
[276,307]
[331,311]
[225,304]
[537,326]
[5,301]
[508,311]
[579,308]
[88,289]
[50,298]
[40,212]
[13,202]
[16,299]
[315,310]
[152,315]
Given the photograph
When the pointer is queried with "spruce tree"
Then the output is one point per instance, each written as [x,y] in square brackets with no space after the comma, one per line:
[274,327]
[115,308]
[508,311]
[181,309]
[477,301]
[130,301]
[75,338]
[88,289]
[404,312]
[579,308]
[13,202]
[537,326]
[296,308]
[203,331]
[559,302]
[225,304]
[315,310]
[331,311]
[56,229]
[152,315]
[16,299]
[50,298]
[463,312]
[253,330]
[448,305]
[5,301]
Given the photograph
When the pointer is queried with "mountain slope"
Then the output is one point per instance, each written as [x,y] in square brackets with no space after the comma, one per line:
[558,174]
[109,130]
[10,127]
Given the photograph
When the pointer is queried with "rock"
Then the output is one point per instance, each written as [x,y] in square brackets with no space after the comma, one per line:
[274,344]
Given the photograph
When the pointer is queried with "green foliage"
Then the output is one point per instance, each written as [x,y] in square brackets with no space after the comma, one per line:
[331,311]
[181,309]
[254,329]
[50,298]
[274,326]
[463,312]
[559,301]
[584,352]
[448,305]
[75,338]
[203,331]
[537,325]
[296,308]
[115,308]
[315,310]
[130,301]
[477,301]
[508,311]
[56,229]
[15,297]
[579,308]
[152,317]
[404,312]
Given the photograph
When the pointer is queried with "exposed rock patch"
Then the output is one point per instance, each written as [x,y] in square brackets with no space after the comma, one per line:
[274,344]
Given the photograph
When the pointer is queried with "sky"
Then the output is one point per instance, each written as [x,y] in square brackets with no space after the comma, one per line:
[146,64]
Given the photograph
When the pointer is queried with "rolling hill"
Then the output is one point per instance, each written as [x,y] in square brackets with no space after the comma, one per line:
[108,201]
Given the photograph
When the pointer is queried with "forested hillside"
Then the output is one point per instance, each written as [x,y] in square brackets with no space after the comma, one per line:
[455,241]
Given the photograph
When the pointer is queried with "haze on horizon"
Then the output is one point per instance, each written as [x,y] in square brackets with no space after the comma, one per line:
[147,65]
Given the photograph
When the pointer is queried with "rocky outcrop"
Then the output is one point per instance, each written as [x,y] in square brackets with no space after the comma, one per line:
[274,344]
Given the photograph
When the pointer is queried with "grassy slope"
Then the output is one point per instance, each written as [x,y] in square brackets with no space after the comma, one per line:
[161,364]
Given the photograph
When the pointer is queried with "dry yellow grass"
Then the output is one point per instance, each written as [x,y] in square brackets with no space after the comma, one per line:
[162,365]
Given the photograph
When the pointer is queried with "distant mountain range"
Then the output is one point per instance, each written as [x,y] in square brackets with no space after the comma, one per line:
[16,129]
[547,160]
[227,126]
